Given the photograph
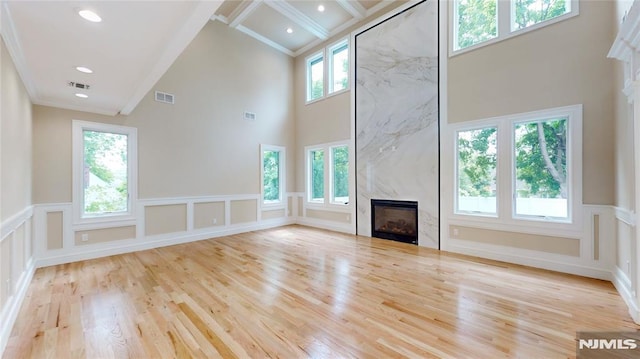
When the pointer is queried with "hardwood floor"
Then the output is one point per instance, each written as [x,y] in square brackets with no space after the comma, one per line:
[296,292]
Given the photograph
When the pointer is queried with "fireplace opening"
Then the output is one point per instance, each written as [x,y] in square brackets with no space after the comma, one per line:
[395,220]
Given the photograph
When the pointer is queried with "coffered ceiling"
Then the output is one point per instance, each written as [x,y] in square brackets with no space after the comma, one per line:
[295,26]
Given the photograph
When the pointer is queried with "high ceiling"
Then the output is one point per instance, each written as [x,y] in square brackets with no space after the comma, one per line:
[269,20]
[137,41]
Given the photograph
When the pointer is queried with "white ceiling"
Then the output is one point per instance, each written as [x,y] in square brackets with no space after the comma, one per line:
[137,41]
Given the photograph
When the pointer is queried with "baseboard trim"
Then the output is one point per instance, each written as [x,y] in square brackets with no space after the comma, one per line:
[623,284]
[80,253]
[564,267]
[328,225]
[12,308]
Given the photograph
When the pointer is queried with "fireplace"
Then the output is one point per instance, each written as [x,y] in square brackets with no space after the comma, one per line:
[395,220]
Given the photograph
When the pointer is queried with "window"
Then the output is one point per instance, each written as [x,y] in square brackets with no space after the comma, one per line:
[340,174]
[476,169]
[272,170]
[339,66]
[335,157]
[334,71]
[315,77]
[104,170]
[477,23]
[540,162]
[525,162]
[317,175]
[531,12]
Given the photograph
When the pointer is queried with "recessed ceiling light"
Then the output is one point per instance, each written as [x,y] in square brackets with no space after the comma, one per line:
[321,8]
[81,95]
[289,30]
[89,15]
[86,70]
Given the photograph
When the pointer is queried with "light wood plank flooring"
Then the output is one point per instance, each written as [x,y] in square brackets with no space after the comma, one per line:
[296,292]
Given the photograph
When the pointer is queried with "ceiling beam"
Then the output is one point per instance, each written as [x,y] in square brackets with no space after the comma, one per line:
[299,18]
[242,12]
[353,7]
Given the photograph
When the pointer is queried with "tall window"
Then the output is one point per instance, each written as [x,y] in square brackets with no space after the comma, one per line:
[339,66]
[317,175]
[272,170]
[340,174]
[477,159]
[315,77]
[540,156]
[104,170]
[479,22]
[535,155]
[335,158]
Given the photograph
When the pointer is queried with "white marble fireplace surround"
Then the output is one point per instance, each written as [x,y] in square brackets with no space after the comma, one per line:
[396,117]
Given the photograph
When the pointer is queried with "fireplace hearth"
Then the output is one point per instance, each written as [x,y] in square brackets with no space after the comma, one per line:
[395,220]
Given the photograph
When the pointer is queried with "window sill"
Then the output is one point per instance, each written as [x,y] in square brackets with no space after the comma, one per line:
[89,223]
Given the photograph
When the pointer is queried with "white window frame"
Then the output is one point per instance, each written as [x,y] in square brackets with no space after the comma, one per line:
[330,50]
[309,171]
[505,169]
[328,176]
[282,158]
[309,60]
[78,128]
[505,13]
[456,188]
[332,175]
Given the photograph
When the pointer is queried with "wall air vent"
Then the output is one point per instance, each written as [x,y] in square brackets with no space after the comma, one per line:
[165,97]
[249,116]
[78,85]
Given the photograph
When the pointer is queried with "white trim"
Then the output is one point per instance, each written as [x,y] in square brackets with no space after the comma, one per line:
[550,261]
[14,47]
[503,27]
[242,12]
[623,284]
[308,82]
[99,250]
[14,222]
[265,40]
[11,308]
[330,65]
[626,216]
[353,8]
[324,224]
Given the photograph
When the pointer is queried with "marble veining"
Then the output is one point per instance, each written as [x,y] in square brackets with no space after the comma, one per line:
[397,117]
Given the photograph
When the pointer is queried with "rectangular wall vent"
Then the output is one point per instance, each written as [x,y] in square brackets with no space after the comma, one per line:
[78,85]
[249,116]
[165,97]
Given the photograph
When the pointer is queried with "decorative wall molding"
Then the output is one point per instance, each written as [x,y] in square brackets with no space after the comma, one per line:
[623,284]
[585,265]
[626,216]
[19,278]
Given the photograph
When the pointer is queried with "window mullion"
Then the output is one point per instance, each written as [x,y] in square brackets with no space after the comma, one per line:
[505,14]
[328,174]
[505,171]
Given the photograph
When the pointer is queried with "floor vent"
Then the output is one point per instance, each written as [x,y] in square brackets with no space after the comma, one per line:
[165,97]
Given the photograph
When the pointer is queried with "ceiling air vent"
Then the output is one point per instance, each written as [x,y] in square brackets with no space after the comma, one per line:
[249,116]
[165,97]
[78,85]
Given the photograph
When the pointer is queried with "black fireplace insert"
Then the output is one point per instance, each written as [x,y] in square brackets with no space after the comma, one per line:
[395,220]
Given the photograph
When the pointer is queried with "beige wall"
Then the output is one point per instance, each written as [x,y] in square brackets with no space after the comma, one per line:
[201,145]
[15,140]
[562,64]
[204,214]
[244,211]
[165,219]
[278,213]
[329,215]
[105,235]
[326,120]
[55,230]
[558,245]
